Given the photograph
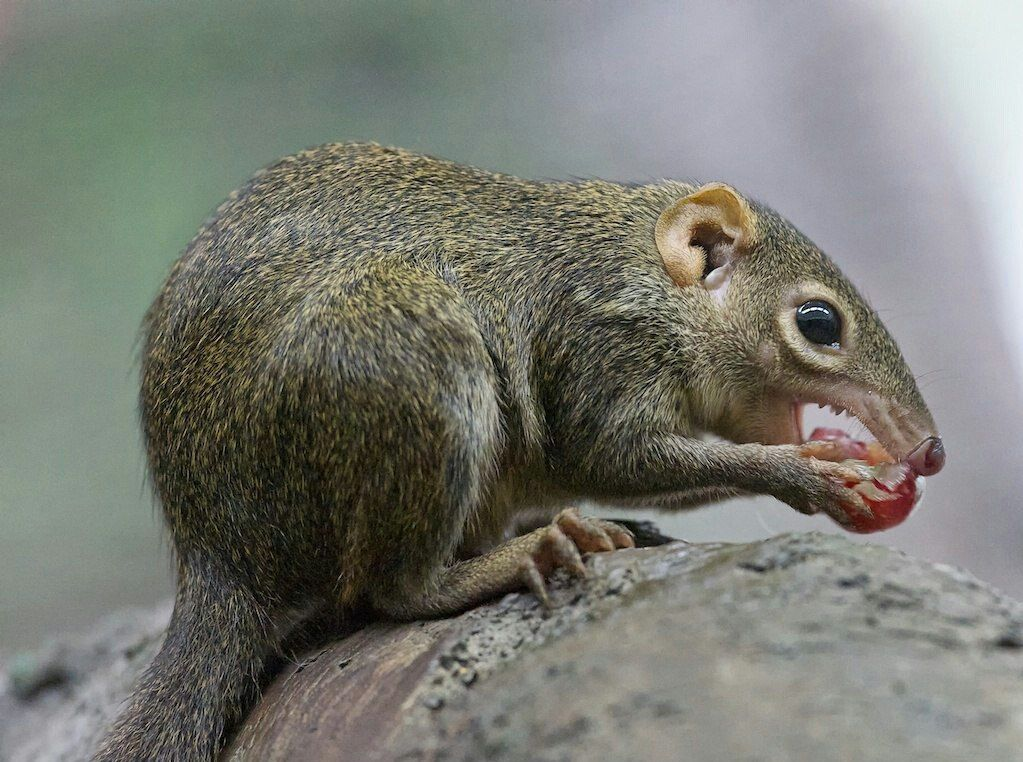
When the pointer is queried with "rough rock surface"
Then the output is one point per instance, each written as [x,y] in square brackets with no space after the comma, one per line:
[802,647]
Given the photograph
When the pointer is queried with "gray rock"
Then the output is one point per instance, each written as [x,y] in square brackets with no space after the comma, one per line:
[55,702]
[802,647]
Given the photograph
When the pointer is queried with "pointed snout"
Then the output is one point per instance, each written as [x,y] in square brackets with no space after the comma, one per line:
[928,458]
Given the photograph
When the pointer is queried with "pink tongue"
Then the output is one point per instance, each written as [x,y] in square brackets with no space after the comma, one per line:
[848,447]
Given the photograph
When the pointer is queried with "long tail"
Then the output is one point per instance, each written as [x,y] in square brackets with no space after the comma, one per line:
[201,680]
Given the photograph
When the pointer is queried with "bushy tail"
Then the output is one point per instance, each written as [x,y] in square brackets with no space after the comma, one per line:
[200,682]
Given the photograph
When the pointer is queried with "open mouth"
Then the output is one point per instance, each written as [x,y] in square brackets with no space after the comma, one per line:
[896,439]
[829,416]
[841,426]
[895,485]
[834,435]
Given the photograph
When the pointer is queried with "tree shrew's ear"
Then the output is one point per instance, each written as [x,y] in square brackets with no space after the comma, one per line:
[700,235]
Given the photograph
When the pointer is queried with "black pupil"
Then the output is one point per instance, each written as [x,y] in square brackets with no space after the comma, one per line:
[819,323]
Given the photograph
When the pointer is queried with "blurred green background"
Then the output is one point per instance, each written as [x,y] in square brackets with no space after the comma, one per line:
[123,124]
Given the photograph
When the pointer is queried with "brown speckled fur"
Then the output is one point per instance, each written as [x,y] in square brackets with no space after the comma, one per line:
[369,361]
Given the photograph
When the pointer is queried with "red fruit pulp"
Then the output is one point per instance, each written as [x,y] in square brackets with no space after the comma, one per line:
[890,505]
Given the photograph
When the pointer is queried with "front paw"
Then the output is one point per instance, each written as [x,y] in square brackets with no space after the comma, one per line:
[813,486]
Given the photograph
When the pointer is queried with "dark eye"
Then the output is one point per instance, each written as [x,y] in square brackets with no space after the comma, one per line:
[819,322]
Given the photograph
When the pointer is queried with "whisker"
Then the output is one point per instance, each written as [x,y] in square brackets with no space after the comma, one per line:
[931,383]
[763,523]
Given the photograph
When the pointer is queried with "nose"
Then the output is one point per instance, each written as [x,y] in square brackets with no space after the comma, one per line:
[928,457]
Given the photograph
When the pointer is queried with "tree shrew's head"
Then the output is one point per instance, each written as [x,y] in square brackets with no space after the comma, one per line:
[793,330]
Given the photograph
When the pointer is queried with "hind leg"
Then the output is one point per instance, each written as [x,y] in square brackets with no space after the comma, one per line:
[408,393]
[522,562]
[408,390]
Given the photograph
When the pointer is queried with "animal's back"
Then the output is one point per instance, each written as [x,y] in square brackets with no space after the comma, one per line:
[286,276]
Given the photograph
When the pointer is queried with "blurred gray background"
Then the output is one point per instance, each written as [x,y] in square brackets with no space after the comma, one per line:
[888,132]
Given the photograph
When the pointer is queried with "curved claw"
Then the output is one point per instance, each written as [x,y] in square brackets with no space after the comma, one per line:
[562,543]
[533,579]
[593,535]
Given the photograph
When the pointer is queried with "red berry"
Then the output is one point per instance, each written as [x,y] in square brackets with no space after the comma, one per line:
[890,505]
[889,512]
